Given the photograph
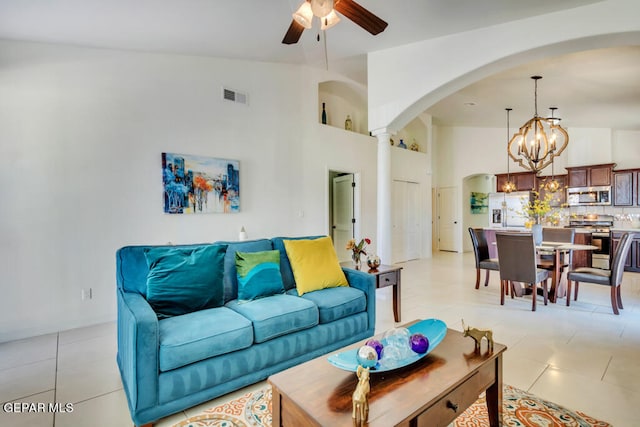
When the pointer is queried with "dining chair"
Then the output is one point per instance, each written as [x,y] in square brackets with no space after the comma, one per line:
[611,278]
[555,234]
[481,251]
[517,255]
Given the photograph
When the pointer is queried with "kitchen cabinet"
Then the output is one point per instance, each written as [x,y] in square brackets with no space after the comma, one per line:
[560,196]
[625,187]
[632,263]
[524,181]
[582,258]
[590,176]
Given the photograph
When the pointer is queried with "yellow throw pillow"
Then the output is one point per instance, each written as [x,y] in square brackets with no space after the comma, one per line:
[314,264]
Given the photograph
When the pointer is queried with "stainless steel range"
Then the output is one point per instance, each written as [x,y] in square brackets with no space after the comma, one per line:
[600,228]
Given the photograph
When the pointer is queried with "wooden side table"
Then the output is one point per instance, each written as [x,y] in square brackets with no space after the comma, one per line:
[389,275]
[386,275]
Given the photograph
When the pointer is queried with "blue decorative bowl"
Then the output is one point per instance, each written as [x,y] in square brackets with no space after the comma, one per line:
[435,330]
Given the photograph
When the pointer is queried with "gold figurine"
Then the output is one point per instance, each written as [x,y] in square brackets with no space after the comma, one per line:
[477,335]
[360,397]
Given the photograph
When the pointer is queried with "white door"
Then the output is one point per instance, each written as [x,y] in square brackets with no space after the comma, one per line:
[447,219]
[343,214]
[406,226]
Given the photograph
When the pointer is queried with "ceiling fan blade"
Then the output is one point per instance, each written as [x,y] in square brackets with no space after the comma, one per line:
[293,33]
[360,16]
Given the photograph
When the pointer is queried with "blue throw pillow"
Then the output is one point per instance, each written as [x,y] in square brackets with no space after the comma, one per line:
[258,274]
[182,280]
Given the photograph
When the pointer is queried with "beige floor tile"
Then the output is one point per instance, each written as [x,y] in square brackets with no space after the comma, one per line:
[27,380]
[95,331]
[29,350]
[88,379]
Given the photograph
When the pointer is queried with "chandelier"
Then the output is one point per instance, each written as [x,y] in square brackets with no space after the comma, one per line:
[539,140]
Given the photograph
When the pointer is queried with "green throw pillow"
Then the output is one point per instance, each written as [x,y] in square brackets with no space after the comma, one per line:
[182,280]
[258,274]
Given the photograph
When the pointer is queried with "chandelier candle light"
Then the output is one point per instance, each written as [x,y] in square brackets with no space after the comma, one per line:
[539,140]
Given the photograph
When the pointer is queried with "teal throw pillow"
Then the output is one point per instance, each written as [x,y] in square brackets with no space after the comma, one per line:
[258,274]
[185,279]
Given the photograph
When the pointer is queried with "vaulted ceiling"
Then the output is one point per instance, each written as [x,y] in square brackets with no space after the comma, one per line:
[598,88]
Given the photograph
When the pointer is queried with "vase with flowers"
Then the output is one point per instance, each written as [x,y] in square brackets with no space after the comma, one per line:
[539,211]
[357,250]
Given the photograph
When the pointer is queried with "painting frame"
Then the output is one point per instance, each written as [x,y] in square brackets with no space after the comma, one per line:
[194,184]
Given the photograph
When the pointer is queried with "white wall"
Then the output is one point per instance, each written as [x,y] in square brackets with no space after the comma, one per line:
[81,132]
[625,149]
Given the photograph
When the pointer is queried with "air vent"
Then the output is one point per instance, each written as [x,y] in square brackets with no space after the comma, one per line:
[234,96]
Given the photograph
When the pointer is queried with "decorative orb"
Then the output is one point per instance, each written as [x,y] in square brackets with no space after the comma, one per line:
[377,345]
[419,343]
[367,356]
[373,261]
[391,359]
[397,337]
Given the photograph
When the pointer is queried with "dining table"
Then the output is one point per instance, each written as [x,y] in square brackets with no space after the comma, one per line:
[557,249]
[558,290]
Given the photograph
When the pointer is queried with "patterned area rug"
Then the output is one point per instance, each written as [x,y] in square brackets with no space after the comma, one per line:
[521,409]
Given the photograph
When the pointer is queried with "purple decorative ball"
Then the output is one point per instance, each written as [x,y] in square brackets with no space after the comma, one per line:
[367,356]
[377,345]
[419,343]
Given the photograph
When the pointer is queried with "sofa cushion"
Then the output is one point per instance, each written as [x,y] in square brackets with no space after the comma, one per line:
[230,273]
[277,315]
[336,303]
[258,274]
[200,335]
[315,264]
[183,280]
[285,266]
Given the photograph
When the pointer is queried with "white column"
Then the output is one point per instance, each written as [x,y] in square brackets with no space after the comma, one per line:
[384,197]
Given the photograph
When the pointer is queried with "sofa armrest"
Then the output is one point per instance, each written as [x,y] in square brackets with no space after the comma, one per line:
[366,283]
[137,356]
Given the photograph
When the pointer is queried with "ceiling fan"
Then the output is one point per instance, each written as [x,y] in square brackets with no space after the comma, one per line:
[326,11]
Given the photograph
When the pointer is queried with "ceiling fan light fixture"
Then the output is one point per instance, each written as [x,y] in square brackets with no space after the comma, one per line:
[304,15]
[321,8]
[329,21]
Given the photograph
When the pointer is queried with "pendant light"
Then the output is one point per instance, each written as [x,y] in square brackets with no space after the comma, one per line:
[508,186]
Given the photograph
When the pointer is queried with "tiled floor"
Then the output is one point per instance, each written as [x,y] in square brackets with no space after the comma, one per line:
[582,356]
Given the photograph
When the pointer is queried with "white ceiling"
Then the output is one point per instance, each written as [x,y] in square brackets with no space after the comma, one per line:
[592,89]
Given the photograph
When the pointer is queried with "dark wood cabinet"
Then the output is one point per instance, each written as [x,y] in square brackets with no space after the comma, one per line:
[590,176]
[524,181]
[559,197]
[625,183]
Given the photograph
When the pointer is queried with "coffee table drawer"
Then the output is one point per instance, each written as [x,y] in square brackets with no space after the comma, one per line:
[447,409]
[388,279]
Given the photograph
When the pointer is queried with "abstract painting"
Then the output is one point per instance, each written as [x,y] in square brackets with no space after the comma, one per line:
[479,203]
[198,184]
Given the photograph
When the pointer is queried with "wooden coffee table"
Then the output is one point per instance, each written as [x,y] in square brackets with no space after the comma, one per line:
[431,392]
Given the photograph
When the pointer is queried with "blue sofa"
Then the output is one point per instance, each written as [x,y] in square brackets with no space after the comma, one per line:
[173,363]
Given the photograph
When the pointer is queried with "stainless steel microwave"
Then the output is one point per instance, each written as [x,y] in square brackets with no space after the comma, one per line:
[589,196]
